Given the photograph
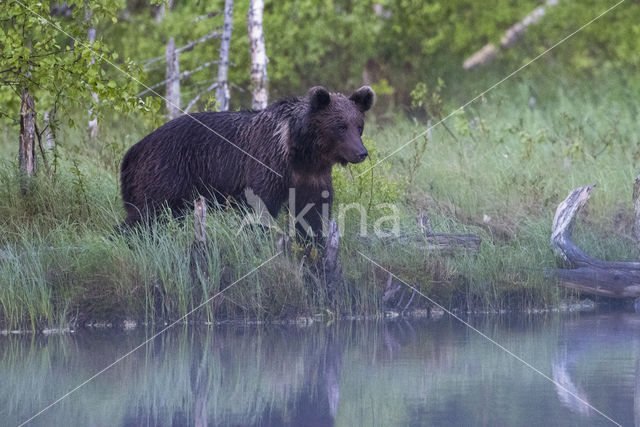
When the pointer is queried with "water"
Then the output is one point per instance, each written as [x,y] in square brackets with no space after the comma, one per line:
[392,373]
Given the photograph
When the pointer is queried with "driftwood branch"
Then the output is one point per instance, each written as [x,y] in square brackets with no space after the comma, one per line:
[616,279]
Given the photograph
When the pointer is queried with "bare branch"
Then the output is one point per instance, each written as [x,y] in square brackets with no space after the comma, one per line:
[197,97]
[180,76]
[212,35]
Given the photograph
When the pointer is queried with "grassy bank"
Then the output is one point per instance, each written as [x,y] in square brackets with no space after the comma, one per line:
[499,171]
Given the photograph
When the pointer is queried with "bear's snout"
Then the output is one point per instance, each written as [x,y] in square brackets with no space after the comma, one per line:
[362,155]
[355,153]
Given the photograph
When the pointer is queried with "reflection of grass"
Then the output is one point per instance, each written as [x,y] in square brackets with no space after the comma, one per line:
[239,377]
[501,178]
[442,373]
[389,373]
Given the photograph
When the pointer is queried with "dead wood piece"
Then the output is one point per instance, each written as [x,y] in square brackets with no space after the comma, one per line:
[510,37]
[200,214]
[636,208]
[450,244]
[390,290]
[481,57]
[613,282]
[617,279]
[330,262]
[446,244]
[27,148]
[198,254]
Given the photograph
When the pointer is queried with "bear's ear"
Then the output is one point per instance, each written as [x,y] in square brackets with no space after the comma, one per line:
[363,98]
[319,98]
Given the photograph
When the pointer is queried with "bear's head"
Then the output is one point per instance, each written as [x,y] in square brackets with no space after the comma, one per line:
[331,131]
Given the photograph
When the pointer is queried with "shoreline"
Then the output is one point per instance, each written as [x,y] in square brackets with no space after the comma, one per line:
[584,305]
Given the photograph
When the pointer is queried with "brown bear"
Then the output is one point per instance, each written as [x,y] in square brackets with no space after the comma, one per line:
[289,147]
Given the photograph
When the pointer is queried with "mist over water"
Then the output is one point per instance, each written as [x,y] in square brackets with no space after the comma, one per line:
[385,373]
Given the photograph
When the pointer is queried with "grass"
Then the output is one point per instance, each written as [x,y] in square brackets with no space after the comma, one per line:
[500,175]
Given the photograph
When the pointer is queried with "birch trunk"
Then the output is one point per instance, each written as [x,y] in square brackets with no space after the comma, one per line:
[158,12]
[91,35]
[259,58]
[172,94]
[27,148]
[223,95]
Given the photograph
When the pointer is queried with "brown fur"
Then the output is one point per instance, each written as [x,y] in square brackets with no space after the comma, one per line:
[299,139]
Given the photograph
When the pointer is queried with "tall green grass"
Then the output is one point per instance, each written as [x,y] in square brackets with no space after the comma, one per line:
[500,175]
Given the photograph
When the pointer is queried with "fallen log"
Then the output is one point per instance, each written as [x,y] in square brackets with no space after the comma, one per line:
[443,243]
[489,51]
[616,279]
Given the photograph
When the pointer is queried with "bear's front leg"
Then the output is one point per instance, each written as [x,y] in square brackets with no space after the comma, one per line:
[310,209]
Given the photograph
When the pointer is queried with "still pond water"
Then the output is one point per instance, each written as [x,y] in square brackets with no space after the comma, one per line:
[386,373]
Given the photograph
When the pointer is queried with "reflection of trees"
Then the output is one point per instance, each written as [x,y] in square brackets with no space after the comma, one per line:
[636,398]
[589,337]
[571,395]
[226,376]
[348,373]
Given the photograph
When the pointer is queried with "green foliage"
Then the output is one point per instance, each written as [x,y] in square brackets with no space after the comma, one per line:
[52,57]
[308,43]
[367,186]
[430,101]
[497,169]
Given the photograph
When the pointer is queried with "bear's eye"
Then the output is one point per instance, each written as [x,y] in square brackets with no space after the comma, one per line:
[342,128]
[360,129]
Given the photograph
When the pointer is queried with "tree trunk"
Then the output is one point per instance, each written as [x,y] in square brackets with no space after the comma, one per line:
[223,94]
[617,279]
[27,149]
[259,58]
[91,35]
[48,131]
[172,94]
